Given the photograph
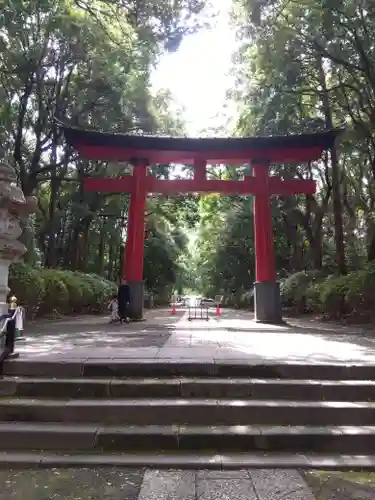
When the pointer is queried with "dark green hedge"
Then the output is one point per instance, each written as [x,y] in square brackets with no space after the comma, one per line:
[335,297]
[45,291]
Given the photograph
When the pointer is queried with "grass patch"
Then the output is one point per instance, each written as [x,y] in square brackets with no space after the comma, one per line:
[365,478]
[341,485]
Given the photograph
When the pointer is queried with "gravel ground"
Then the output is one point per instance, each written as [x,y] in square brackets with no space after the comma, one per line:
[71,484]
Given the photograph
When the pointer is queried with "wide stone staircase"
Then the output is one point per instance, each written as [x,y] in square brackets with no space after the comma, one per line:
[145,413]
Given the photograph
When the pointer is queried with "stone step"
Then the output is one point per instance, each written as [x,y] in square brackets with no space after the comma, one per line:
[178,367]
[19,436]
[187,387]
[192,411]
[194,461]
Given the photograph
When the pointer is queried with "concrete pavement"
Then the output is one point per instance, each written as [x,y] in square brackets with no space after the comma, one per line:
[233,337]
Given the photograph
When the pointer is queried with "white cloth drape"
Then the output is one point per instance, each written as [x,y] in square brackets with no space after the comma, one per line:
[19,319]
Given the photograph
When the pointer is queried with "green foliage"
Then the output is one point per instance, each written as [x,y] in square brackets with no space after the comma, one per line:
[350,295]
[297,290]
[225,258]
[347,296]
[45,291]
[160,261]
[239,300]
[27,284]
[297,71]
[98,290]
[79,294]
[88,64]
[56,296]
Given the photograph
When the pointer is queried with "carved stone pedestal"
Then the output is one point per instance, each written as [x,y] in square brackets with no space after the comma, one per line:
[13,207]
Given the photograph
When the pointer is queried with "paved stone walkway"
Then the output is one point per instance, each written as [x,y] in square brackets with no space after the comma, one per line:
[122,484]
[232,336]
[221,485]
[93,337]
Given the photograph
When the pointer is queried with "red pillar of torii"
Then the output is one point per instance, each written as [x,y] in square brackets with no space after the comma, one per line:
[143,151]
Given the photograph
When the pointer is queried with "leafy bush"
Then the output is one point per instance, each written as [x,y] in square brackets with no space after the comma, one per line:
[332,293]
[352,294]
[98,290]
[239,299]
[77,293]
[27,285]
[44,291]
[161,299]
[298,291]
[56,297]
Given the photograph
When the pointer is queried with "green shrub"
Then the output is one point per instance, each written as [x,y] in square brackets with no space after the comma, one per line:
[349,295]
[27,285]
[161,300]
[360,295]
[162,297]
[230,300]
[77,291]
[44,291]
[332,294]
[246,300]
[239,299]
[99,291]
[298,290]
[312,302]
[56,296]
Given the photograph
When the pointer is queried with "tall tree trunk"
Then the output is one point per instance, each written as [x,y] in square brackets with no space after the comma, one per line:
[84,245]
[111,257]
[313,226]
[120,256]
[317,249]
[100,259]
[336,195]
[294,243]
[297,256]
[75,248]
[51,256]
[370,227]
[370,241]
[60,241]
[76,220]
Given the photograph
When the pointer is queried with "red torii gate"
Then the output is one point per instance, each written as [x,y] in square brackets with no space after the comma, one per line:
[143,151]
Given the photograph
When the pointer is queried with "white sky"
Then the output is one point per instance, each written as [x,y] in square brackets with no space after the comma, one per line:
[198,75]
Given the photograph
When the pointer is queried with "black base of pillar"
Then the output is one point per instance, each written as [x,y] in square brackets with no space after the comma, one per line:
[267,303]
[136,297]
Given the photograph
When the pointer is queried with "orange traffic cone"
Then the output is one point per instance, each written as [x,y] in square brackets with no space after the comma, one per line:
[217,310]
[173,309]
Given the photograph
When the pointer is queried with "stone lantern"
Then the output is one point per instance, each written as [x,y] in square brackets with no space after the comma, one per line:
[14,207]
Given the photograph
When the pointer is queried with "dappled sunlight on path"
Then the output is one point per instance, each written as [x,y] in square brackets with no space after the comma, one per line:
[232,336]
[94,337]
[236,336]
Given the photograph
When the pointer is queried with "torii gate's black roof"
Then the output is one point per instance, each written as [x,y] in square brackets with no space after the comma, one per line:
[110,146]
